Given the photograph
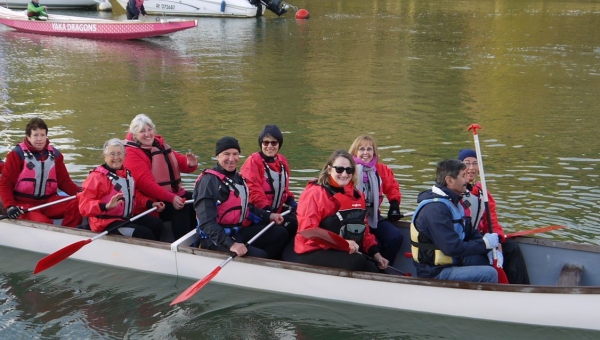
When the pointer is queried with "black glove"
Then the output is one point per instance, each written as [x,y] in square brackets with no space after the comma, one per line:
[394,214]
[14,212]
[292,204]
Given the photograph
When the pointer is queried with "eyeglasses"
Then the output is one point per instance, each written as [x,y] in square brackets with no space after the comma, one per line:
[340,169]
[118,154]
[468,164]
[362,149]
[273,143]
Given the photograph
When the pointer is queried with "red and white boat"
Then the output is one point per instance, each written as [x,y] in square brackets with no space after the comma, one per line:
[80,27]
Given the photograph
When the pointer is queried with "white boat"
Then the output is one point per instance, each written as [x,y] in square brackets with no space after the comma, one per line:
[52,4]
[543,303]
[211,8]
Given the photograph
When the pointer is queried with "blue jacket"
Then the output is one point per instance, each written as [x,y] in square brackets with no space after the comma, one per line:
[435,222]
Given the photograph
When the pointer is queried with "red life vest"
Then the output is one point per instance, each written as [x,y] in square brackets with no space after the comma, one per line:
[274,185]
[349,220]
[37,179]
[234,210]
[119,185]
[165,168]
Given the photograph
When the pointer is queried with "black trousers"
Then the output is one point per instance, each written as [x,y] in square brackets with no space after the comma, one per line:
[338,259]
[146,227]
[182,220]
[268,245]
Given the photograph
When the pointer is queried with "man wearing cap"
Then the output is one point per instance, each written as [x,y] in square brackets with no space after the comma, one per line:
[226,219]
[267,174]
[509,251]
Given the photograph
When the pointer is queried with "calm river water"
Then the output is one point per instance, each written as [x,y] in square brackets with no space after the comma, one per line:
[414,74]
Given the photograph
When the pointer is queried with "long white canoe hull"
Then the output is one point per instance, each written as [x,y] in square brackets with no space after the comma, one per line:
[210,8]
[574,307]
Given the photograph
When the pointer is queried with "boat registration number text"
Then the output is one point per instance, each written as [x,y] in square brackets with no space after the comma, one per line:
[163,6]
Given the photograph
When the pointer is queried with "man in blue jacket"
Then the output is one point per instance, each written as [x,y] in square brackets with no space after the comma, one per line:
[442,247]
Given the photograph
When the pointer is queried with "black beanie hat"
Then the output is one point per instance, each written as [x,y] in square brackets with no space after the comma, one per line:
[273,131]
[227,143]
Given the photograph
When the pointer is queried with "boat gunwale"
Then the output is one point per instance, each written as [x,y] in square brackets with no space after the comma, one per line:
[411,280]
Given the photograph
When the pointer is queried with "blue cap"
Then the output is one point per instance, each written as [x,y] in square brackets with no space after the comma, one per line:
[464,153]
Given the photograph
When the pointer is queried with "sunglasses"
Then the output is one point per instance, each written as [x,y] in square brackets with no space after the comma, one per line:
[340,169]
[273,143]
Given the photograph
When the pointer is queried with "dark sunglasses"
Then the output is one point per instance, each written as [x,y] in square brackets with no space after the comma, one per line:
[273,143]
[340,169]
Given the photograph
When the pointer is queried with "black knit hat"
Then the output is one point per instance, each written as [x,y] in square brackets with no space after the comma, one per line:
[227,143]
[273,131]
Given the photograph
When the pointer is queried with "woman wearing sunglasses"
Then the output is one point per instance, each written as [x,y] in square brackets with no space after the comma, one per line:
[333,202]
[376,179]
[267,174]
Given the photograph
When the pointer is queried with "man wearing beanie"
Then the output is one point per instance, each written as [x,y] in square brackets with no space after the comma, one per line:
[226,218]
[267,174]
[509,251]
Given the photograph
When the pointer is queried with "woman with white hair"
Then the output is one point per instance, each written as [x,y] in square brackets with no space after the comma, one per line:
[157,169]
[110,197]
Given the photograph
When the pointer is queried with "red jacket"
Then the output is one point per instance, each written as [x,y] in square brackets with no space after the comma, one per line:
[253,172]
[315,205]
[12,168]
[389,186]
[138,162]
[95,187]
[483,225]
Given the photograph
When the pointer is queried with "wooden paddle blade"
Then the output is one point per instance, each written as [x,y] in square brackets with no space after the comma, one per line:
[501,274]
[326,237]
[59,255]
[535,231]
[193,289]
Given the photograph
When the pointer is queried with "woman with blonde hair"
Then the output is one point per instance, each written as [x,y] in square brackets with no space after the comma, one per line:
[375,180]
[332,202]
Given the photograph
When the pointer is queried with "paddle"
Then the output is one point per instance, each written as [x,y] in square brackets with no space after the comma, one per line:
[42,206]
[501,274]
[327,238]
[61,254]
[193,289]
[535,231]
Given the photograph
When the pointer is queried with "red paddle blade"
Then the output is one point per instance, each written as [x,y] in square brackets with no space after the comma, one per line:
[59,255]
[501,274]
[326,237]
[188,293]
[535,231]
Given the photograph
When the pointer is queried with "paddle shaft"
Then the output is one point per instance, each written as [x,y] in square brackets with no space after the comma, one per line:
[45,205]
[488,215]
[193,289]
[115,227]
[63,253]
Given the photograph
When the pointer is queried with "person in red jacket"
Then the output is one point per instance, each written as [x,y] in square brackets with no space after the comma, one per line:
[331,195]
[376,179]
[110,197]
[32,174]
[509,250]
[157,169]
[267,174]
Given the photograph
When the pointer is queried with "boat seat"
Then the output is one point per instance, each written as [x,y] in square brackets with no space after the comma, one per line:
[570,275]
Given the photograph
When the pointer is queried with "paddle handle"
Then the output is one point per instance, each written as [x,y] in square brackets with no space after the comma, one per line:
[265,229]
[45,205]
[115,227]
